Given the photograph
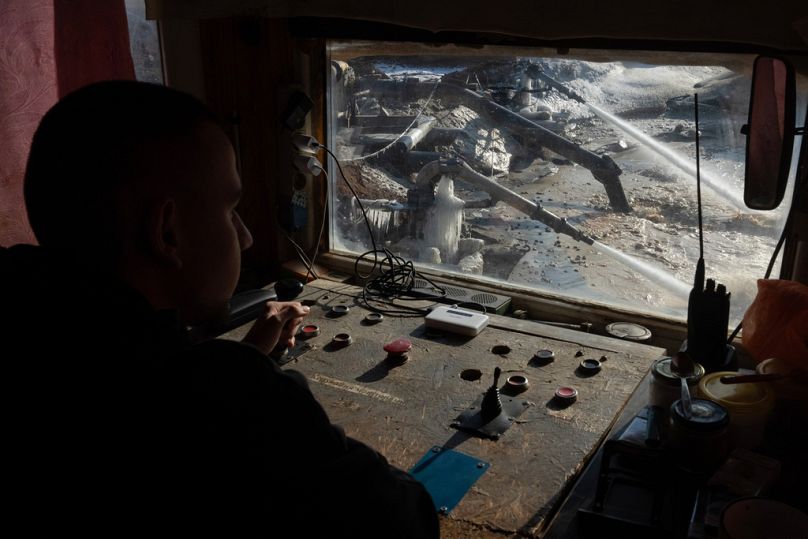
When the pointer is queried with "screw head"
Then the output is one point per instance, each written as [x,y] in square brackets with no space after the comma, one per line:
[480,465]
[444,509]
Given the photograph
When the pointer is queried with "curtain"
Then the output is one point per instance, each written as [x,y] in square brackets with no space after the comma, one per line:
[47,49]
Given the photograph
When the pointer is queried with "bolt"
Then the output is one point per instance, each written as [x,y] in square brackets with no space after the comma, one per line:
[480,465]
[444,509]
[436,449]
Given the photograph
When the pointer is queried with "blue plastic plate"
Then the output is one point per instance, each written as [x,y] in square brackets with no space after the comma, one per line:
[447,475]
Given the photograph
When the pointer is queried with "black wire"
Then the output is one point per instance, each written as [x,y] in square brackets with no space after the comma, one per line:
[322,228]
[396,276]
[770,267]
[361,207]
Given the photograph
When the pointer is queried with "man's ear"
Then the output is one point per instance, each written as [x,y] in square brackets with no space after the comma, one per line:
[164,234]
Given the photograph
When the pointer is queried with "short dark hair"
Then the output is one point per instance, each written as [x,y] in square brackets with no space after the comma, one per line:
[91,144]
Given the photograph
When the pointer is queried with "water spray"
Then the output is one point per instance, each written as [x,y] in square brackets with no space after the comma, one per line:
[674,158]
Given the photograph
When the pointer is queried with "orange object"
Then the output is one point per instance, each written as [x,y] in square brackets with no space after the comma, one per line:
[776,324]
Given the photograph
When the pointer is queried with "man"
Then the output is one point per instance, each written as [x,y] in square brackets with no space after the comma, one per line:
[119,424]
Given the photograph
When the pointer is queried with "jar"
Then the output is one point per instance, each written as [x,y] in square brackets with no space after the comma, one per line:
[666,385]
[748,404]
[792,388]
[699,443]
[751,518]
[790,412]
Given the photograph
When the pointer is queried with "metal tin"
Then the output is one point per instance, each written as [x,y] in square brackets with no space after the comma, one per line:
[700,442]
[339,310]
[665,387]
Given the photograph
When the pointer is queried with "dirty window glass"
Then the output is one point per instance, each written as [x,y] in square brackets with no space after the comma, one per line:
[144,42]
[573,175]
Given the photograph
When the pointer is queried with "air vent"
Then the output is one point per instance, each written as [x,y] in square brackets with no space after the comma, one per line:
[484,298]
[493,303]
[455,292]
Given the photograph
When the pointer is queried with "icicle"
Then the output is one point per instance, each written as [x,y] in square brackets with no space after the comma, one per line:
[445,220]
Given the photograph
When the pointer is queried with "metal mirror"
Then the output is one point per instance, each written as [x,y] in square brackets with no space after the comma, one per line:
[770,133]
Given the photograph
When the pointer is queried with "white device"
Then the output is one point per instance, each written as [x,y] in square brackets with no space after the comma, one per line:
[456,320]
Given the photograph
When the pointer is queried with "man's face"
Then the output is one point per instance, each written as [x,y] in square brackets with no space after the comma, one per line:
[211,234]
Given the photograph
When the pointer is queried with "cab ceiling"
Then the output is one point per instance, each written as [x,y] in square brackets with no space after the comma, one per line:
[775,24]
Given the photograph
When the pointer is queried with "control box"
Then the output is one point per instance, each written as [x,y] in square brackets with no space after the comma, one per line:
[456,320]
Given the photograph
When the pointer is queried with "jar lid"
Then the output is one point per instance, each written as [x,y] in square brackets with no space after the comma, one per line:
[705,416]
[629,331]
[662,370]
[772,366]
[792,387]
[735,397]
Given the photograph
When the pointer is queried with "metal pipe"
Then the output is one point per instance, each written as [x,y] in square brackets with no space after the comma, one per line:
[431,171]
[416,134]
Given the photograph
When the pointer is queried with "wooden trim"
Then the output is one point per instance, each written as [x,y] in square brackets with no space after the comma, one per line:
[666,333]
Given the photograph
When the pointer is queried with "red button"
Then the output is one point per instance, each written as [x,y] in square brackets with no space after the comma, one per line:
[566,395]
[398,346]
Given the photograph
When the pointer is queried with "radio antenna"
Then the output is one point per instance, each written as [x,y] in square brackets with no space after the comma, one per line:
[699,279]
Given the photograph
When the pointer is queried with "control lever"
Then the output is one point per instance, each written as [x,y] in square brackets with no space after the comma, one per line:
[492,405]
[490,415]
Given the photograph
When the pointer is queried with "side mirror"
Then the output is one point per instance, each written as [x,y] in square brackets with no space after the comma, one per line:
[770,133]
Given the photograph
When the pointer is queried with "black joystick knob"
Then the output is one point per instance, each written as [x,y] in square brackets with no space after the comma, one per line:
[492,405]
[288,289]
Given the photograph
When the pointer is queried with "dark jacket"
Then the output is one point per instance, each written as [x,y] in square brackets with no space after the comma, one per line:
[118,425]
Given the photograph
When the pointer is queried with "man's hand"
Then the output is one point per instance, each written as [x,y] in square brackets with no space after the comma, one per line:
[277,324]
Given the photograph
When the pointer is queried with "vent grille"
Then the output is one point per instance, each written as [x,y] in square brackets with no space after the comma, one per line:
[493,303]
[455,292]
[484,298]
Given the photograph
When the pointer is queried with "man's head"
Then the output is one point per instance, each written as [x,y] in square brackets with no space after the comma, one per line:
[139,180]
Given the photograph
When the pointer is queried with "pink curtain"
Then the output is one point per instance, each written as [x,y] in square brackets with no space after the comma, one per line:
[47,49]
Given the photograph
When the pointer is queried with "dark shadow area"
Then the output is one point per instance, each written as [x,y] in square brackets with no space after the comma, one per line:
[457,439]
[333,347]
[511,391]
[330,314]
[376,373]
[452,339]
[582,372]
[557,404]
[538,362]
